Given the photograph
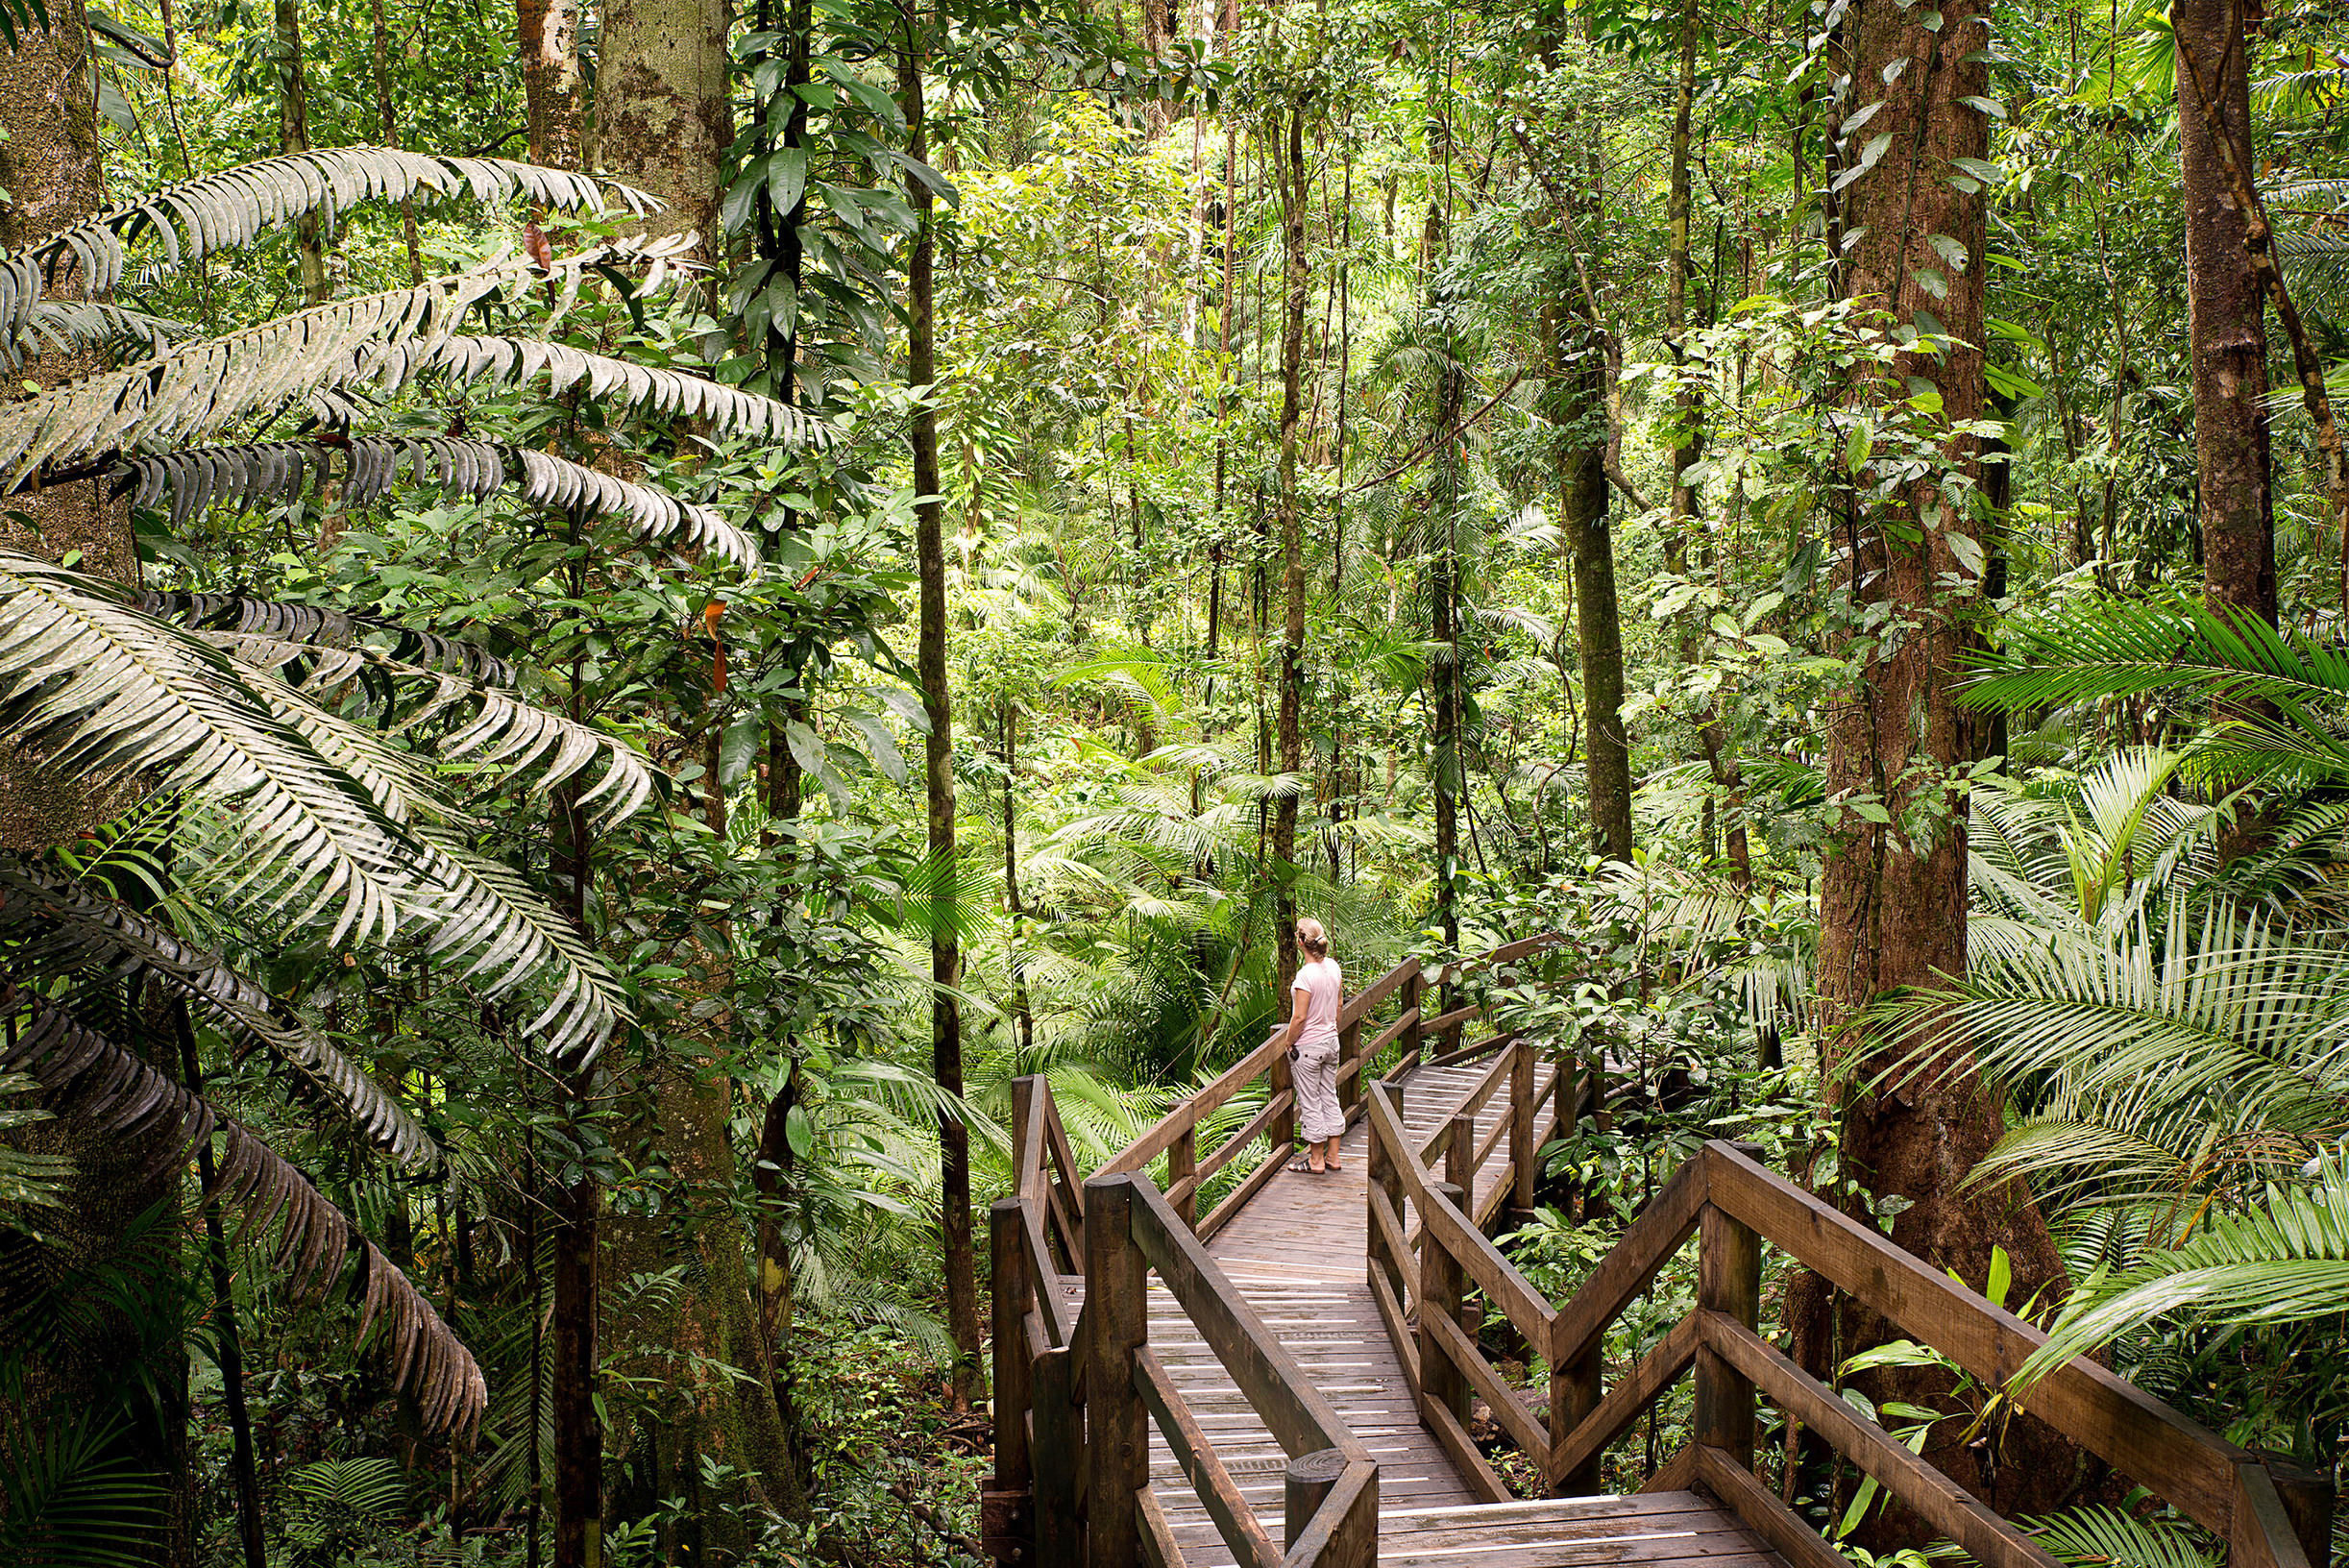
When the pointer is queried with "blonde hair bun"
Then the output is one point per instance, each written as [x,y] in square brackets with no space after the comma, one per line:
[1313,938]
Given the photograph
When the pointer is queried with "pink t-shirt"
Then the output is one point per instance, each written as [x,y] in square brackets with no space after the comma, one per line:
[1325,993]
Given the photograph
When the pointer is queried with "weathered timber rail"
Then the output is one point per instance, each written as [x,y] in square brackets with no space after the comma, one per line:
[1285,1381]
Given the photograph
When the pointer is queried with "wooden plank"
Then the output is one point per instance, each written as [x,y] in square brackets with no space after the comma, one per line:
[1728,1283]
[1508,1410]
[1470,1053]
[1050,1303]
[2264,1534]
[1059,1442]
[1237,1198]
[1293,1409]
[2187,1464]
[1560,1546]
[1678,1474]
[1528,1309]
[1508,952]
[1452,1020]
[1759,1508]
[1387,1227]
[1646,1245]
[1377,991]
[1465,1456]
[1116,1424]
[1192,1111]
[1624,1403]
[1398,1333]
[1195,1455]
[1028,1134]
[1343,1532]
[1946,1506]
[1158,1537]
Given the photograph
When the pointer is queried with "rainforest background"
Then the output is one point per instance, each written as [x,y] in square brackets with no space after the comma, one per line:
[658,599]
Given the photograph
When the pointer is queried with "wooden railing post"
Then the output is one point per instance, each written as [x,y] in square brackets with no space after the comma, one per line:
[1574,1393]
[1022,1113]
[1386,1176]
[1182,1165]
[1459,1150]
[1729,1281]
[1415,993]
[1522,1146]
[1060,1449]
[1282,1134]
[1005,1520]
[1349,1049]
[1305,1485]
[1440,1382]
[1116,1421]
[2308,1501]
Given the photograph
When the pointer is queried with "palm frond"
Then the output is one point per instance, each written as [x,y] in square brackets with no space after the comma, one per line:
[2128,648]
[2285,1262]
[483,910]
[321,628]
[365,467]
[2100,1537]
[498,730]
[66,326]
[234,207]
[71,1497]
[381,340]
[92,1078]
[92,687]
[55,927]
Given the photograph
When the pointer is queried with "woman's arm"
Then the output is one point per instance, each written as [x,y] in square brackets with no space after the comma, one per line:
[1300,1002]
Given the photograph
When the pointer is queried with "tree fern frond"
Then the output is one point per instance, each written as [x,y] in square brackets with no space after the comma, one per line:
[65,326]
[502,733]
[92,687]
[320,628]
[56,928]
[365,467]
[483,910]
[234,207]
[93,1078]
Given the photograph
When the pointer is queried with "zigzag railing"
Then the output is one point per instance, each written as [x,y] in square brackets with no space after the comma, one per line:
[2271,1516]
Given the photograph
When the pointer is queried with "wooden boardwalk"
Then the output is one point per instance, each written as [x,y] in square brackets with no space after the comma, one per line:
[1297,1251]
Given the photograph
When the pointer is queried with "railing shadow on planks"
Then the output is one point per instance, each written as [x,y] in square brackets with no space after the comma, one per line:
[1074,1388]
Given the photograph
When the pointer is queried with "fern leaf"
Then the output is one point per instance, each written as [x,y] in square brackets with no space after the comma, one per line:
[92,1077]
[234,207]
[58,928]
[2285,1262]
[93,687]
[368,467]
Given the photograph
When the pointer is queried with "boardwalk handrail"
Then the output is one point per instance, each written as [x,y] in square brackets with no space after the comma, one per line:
[1176,1134]
[1073,1391]
[1732,1204]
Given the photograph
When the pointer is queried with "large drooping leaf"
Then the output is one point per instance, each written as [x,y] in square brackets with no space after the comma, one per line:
[65,326]
[95,1080]
[362,469]
[53,927]
[234,207]
[328,629]
[294,812]
[2285,1260]
[96,688]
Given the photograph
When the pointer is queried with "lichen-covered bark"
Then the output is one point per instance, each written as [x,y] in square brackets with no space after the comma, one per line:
[546,43]
[1892,896]
[662,121]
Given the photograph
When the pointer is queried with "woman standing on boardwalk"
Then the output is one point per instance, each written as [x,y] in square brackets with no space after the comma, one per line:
[1314,998]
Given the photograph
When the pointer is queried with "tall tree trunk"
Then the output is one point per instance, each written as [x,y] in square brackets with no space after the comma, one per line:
[1297,272]
[294,137]
[1447,772]
[938,751]
[554,92]
[2227,332]
[1583,500]
[574,1394]
[52,168]
[663,120]
[1893,894]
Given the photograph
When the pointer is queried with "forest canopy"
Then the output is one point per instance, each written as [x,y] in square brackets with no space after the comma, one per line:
[615,618]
